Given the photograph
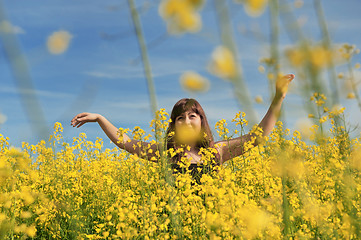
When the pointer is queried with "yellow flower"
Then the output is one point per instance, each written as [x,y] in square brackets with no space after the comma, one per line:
[58,42]
[194,82]
[270,76]
[223,63]
[350,95]
[298,3]
[296,56]
[25,214]
[320,56]
[261,69]
[31,231]
[323,119]
[254,8]
[258,99]
[304,126]
[181,15]
[185,134]
[357,65]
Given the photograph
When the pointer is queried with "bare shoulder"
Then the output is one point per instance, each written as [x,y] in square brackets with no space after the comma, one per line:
[219,146]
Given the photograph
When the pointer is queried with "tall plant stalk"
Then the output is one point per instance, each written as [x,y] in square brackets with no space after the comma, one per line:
[240,89]
[145,59]
[23,80]
[327,44]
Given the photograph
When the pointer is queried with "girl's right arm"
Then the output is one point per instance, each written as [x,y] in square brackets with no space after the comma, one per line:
[140,148]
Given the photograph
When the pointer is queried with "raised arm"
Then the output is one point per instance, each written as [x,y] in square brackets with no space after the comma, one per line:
[140,148]
[234,147]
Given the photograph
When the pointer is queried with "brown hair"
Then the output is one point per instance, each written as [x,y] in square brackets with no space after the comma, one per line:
[183,105]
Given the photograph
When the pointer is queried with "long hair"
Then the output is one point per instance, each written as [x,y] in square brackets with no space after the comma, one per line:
[183,105]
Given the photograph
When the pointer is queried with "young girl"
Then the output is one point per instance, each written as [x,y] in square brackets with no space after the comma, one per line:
[191,132]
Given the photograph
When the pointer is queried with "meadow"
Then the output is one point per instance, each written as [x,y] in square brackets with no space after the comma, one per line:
[299,184]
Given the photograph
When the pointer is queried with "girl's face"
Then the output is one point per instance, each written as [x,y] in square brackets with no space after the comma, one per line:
[188,127]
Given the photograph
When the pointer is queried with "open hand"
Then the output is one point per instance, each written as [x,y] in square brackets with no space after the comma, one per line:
[82,118]
[282,84]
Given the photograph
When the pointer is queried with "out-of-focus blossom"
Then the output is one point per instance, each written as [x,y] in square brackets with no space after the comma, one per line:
[261,69]
[298,3]
[3,118]
[222,63]
[258,99]
[317,55]
[194,82]
[355,158]
[58,42]
[254,8]
[181,15]
[304,126]
[185,134]
[350,95]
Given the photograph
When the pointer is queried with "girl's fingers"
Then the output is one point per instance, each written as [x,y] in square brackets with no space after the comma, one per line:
[81,124]
[77,117]
[290,76]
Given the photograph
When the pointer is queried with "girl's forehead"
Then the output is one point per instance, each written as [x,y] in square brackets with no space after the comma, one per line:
[188,112]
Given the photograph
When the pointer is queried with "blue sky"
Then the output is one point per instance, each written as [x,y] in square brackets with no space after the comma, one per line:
[101,70]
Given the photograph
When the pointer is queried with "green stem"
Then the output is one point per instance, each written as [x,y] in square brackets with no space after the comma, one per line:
[23,80]
[353,84]
[144,53]
[327,44]
[240,89]
[273,6]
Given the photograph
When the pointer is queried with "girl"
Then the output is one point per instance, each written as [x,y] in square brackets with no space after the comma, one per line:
[191,132]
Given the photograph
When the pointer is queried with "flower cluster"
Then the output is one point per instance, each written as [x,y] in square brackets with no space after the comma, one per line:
[283,188]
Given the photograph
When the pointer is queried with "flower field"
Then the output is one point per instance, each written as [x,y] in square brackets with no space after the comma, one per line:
[283,188]
[300,184]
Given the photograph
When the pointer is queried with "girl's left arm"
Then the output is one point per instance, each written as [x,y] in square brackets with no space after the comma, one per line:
[234,147]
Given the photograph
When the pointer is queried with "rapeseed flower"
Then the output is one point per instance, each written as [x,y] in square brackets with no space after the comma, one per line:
[192,81]
[58,42]
[222,63]
[181,15]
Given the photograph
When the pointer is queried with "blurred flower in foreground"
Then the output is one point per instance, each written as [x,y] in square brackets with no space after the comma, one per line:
[317,55]
[355,158]
[350,95]
[194,82]
[181,15]
[304,126]
[58,42]
[298,3]
[222,63]
[185,134]
[3,118]
[254,8]
[258,99]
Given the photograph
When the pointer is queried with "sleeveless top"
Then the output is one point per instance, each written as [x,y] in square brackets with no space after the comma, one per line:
[194,172]
[193,168]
